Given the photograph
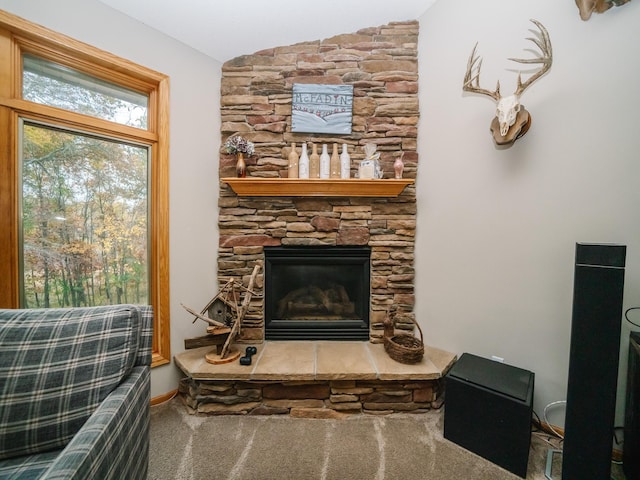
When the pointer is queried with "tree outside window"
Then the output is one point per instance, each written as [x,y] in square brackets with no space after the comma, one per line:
[83,177]
[84,220]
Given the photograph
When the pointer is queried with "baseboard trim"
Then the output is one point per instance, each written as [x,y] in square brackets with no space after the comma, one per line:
[550,429]
[164,398]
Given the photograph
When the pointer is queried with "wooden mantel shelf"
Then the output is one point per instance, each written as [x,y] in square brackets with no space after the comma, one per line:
[296,187]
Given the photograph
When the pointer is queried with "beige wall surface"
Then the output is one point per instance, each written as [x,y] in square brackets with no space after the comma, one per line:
[497,227]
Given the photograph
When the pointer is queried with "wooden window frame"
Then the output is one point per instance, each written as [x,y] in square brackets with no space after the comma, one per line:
[18,36]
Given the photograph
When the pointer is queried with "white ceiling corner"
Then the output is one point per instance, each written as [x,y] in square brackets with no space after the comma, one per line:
[225,29]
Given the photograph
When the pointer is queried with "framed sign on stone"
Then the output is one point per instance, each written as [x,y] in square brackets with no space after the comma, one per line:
[321,108]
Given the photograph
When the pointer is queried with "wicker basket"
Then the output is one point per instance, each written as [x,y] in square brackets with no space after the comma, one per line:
[404,348]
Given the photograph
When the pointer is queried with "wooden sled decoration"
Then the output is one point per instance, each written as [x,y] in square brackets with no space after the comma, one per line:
[224,317]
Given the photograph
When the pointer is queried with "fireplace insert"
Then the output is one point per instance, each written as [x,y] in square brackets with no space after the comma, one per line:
[317,293]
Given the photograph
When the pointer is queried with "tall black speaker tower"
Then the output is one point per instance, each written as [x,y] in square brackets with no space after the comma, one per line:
[593,361]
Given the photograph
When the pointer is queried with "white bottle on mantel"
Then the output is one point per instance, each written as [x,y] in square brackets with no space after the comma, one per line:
[293,159]
[314,162]
[345,162]
[325,162]
[335,162]
[303,162]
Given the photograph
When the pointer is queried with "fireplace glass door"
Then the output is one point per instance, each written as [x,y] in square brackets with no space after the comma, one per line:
[317,293]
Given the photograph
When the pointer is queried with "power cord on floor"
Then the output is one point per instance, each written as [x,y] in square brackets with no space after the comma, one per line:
[626,316]
[536,421]
[543,432]
[544,415]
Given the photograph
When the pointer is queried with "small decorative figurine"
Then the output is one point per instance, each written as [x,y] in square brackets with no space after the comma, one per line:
[249,352]
[370,166]
[398,166]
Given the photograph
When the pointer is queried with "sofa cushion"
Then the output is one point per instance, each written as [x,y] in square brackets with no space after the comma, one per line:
[27,466]
[56,366]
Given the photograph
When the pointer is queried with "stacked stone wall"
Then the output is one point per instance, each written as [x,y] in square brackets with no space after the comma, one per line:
[321,399]
[256,90]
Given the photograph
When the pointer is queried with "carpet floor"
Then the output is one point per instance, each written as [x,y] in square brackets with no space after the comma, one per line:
[397,446]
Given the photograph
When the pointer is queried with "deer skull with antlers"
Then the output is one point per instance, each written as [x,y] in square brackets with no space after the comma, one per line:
[512,120]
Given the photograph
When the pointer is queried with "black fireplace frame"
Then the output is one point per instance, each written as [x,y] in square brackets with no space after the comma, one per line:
[345,329]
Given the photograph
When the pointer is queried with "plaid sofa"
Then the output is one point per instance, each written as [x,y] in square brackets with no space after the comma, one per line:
[74,393]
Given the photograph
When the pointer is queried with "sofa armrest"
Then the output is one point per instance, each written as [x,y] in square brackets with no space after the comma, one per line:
[114,442]
[145,344]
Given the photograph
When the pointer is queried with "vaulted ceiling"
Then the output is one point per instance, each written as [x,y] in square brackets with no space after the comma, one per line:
[224,29]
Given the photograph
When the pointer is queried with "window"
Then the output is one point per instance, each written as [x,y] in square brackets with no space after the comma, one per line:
[83,177]
[53,84]
[84,222]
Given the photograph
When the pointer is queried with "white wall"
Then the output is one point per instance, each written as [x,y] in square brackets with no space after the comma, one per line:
[195,140]
[497,227]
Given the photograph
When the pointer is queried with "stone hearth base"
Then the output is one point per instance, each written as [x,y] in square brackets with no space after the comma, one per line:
[319,379]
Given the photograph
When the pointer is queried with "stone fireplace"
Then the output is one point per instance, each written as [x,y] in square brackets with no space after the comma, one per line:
[256,93]
[385,226]
[303,376]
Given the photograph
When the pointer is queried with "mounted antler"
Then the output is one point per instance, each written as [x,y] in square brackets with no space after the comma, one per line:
[544,44]
[472,84]
[511,118]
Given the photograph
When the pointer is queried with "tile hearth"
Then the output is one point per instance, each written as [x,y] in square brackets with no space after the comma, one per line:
[317,360]
[313,379]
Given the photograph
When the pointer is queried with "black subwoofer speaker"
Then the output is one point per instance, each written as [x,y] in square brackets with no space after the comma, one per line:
[488,410]
[593,361]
